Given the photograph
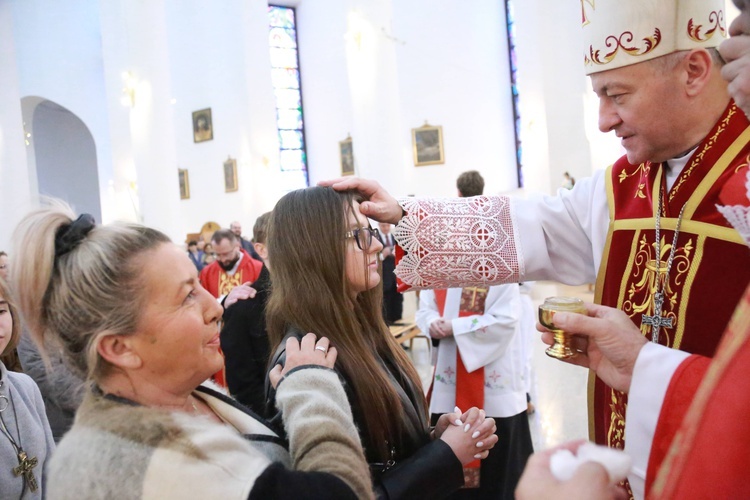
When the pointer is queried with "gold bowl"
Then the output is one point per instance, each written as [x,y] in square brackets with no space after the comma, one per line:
[561,348]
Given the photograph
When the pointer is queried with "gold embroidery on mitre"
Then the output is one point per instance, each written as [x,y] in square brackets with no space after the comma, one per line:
[585,20]
[694,30]
[698,158]
[643,169]
[624,42]
[640,293]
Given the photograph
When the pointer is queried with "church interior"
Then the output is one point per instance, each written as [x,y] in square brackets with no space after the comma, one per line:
[185,115]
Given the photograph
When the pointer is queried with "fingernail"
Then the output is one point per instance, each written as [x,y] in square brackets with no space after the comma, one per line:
[478,456]
[480,444]
[458,422]
[475,435]
[467,427]
[457,410]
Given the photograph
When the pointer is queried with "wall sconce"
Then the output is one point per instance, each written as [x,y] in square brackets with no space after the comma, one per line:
[128,90]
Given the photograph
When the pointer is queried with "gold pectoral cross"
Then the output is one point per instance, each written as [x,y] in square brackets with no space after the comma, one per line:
[25,464]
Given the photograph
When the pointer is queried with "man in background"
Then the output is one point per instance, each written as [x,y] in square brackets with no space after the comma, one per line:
[393,300]
[233,266]
[244,339]
[247,246]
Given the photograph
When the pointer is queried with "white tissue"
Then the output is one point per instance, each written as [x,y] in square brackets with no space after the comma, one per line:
[564,464]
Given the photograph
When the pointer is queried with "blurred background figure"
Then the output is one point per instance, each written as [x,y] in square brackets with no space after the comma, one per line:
[393,300]
[196,256]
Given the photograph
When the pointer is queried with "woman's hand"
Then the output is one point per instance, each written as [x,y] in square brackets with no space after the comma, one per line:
[305,352]
[472,440]
[591,480]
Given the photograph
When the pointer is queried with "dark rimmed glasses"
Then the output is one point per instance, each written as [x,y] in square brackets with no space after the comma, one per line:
[363,236]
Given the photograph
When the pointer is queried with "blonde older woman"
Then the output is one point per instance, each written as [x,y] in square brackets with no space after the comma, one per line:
[131,315]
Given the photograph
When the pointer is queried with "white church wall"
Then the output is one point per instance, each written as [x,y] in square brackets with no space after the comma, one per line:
[15,193]
[407,62]
[58,56]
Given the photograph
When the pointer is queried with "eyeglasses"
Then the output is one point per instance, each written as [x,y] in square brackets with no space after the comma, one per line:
[363,236]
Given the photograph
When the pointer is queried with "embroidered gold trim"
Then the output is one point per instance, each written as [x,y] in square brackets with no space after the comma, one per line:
[716,171]
[692,270]
[688,226]
[699,157]
[624,42]
[585,20]
[643,169]
[694,30]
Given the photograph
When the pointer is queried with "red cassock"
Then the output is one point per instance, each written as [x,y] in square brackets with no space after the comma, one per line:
[219,283]
[701,448]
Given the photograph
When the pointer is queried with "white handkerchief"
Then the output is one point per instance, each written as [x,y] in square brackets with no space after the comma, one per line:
[564,464]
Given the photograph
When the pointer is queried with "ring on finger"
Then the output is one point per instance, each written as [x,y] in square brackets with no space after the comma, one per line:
[321,348]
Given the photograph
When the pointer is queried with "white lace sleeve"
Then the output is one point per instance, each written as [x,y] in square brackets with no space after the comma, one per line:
[457,242]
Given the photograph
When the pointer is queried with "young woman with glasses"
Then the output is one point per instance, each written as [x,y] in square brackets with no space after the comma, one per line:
[326,277]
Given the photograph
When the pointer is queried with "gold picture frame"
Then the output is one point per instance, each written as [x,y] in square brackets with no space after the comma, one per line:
[346,155]
[427,145]
[230,175]
[182,174]
[203,128]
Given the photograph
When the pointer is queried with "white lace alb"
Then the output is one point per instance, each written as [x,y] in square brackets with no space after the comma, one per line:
[456,242]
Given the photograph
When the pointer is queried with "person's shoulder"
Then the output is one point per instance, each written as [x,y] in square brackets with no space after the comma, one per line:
[23,383]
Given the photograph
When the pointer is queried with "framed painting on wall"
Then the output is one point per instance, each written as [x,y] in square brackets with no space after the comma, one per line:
[230,175]
[346,153]
[184,183]
[427,145]
[203,129]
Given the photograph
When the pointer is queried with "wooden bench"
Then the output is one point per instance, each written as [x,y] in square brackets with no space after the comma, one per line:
[407,332]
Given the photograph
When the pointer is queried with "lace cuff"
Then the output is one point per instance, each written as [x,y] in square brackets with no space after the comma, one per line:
[738,215]
[455,242]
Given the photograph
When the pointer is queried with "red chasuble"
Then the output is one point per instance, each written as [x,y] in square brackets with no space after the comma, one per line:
[469,385]
[701,448]
[711,265]
[219,283]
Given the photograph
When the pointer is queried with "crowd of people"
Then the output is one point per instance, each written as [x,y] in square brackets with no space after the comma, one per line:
[265,368]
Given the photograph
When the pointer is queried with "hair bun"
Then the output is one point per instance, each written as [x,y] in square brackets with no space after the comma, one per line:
[69,236]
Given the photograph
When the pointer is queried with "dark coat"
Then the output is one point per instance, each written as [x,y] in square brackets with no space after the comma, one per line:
[245,344]
[422,469]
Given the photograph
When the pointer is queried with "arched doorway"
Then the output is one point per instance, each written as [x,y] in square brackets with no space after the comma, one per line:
[65,155]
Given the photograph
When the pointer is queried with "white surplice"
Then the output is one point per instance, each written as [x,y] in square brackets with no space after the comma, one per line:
[492,340]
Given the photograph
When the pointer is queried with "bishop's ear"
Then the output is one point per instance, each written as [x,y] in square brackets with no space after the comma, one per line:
[120,351]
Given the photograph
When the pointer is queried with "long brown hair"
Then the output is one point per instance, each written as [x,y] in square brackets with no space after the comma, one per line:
[307,250]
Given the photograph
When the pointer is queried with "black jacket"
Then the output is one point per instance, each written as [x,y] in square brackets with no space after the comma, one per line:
[423,468]
[245,344]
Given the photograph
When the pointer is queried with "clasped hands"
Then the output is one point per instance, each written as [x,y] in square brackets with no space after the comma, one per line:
[471,435]
[441,328]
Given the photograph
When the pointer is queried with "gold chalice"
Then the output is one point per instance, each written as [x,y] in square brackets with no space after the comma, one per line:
[561,348]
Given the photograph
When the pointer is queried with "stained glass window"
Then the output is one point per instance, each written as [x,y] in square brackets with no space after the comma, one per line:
[514,85]
[282,39]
